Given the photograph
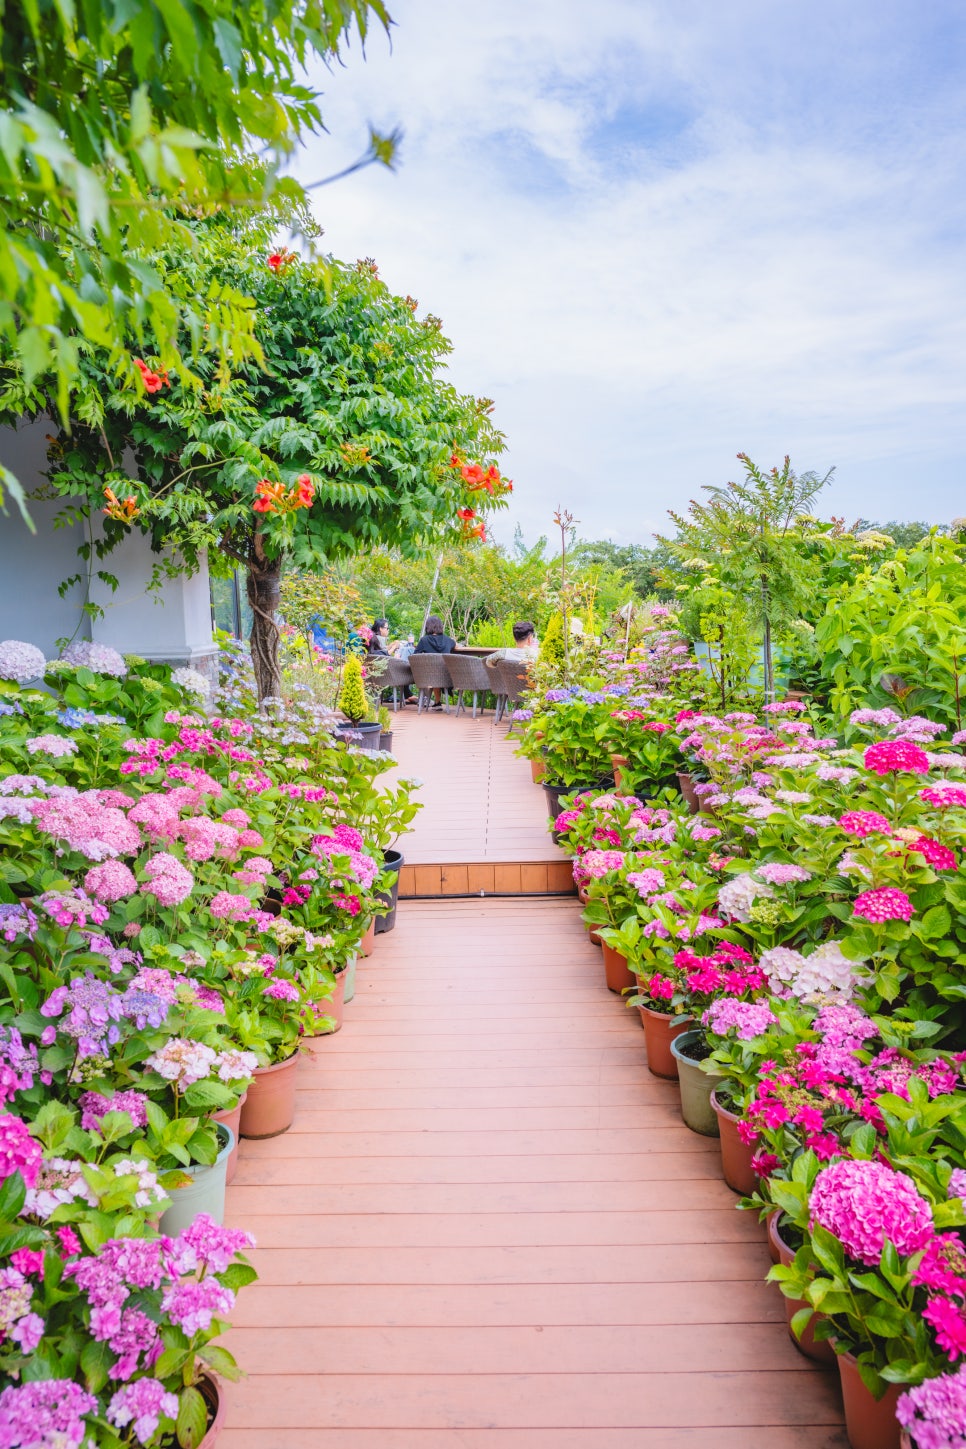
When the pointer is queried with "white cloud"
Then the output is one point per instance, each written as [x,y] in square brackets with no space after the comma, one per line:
[662,232]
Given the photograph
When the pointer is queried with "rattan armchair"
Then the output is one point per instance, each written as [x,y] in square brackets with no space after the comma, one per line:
[512,678]
[429,672]
[395,675]
[469,675]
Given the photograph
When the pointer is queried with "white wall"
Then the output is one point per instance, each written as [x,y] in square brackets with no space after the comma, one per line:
[172,623]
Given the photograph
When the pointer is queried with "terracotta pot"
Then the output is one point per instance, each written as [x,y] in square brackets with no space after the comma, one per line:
[905,1441]
[659,1031]
[774,1243]
[821,1352]
[870,1423]
[538,768]
[696,1086]
[617,764]
[594,936]
[335,1006]
[582,894]
[617,973]
[687,790]
[270,1104]
[214,1397]
[232,1119]
[368,940]
[735,1155]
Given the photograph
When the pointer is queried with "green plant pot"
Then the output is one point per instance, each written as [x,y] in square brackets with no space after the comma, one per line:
[205,1193]
[696,1086]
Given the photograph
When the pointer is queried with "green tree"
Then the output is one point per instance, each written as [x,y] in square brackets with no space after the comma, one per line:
[751,532]
[341,441]
[119,121]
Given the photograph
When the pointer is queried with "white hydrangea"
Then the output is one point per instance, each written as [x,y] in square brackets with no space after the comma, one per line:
[192,680]
[736,897]
[826,972]
[21,661]
[100,658]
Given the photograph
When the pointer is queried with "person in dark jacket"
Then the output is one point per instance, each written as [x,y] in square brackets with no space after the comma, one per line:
[379,643]
[435,641]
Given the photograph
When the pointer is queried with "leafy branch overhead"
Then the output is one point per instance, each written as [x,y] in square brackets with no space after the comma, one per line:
[120,120]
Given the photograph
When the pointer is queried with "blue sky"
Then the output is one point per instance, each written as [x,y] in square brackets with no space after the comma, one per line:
[660,232]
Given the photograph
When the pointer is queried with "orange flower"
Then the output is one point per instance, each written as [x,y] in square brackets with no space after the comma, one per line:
[473,474]
[120,512]
[455,461]
[466,513]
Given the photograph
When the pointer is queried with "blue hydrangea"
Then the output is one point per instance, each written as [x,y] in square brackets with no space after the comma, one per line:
[75,719]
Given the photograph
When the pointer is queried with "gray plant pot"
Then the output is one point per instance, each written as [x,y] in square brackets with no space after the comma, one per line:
[205,1193]
[696,1086]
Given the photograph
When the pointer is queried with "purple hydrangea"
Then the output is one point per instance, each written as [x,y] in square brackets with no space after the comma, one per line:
[21,661]
[46,1414]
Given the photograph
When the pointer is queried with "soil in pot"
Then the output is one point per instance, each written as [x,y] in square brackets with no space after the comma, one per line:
[660,1029]
[232,1119]
[736,1155]
[270,1105]
[783,1243]
[870,1423]
[394,861]
[617,973]
[689,1050]
[205,1193]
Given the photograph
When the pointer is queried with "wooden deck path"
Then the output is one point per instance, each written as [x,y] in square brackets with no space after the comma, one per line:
[489,1229]
[483,825]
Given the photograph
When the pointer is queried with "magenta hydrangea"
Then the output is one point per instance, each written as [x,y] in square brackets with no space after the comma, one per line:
[19,1152]
[896,756]
[945,796]
[866,1204]
[885,903]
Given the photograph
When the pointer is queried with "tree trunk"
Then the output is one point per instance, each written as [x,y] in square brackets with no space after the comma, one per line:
[264,577]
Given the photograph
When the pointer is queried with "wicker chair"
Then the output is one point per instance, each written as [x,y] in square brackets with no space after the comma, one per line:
[468,675]
[395,675]
[429,672]
[512,678]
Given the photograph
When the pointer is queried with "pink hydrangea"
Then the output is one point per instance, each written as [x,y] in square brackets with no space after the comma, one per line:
[866,1204]
[646,882]
[183,1062]
[87,826]
[894,756]
[864,822]
[228,907]
[45,1414]
[170,881]
[934,1413]
[193,1305]
[745,1018]
[142,1404]
[111,881]
[777,872]
[57,746]
[281,991]
[948,1322]
[205,1244]
[885,903]
[598,863]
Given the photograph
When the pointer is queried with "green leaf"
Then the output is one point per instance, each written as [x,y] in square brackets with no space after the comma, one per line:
[97,1360]
[192,1423]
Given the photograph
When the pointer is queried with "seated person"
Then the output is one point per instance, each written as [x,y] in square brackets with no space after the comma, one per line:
[379,643]
[525,647]
[434,641]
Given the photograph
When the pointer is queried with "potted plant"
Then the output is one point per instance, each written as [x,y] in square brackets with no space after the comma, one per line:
[355,705]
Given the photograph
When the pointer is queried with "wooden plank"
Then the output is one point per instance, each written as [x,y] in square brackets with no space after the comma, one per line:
[533,878]
[428,880]
[507,878]
[480,878]
[488,1227]
[455,880]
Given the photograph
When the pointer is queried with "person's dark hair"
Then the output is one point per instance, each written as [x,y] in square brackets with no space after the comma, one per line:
[379,624]
[434,625]
[522,631]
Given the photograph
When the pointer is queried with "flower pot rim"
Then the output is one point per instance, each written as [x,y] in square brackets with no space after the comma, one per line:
[724,1111]
[274,1066]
